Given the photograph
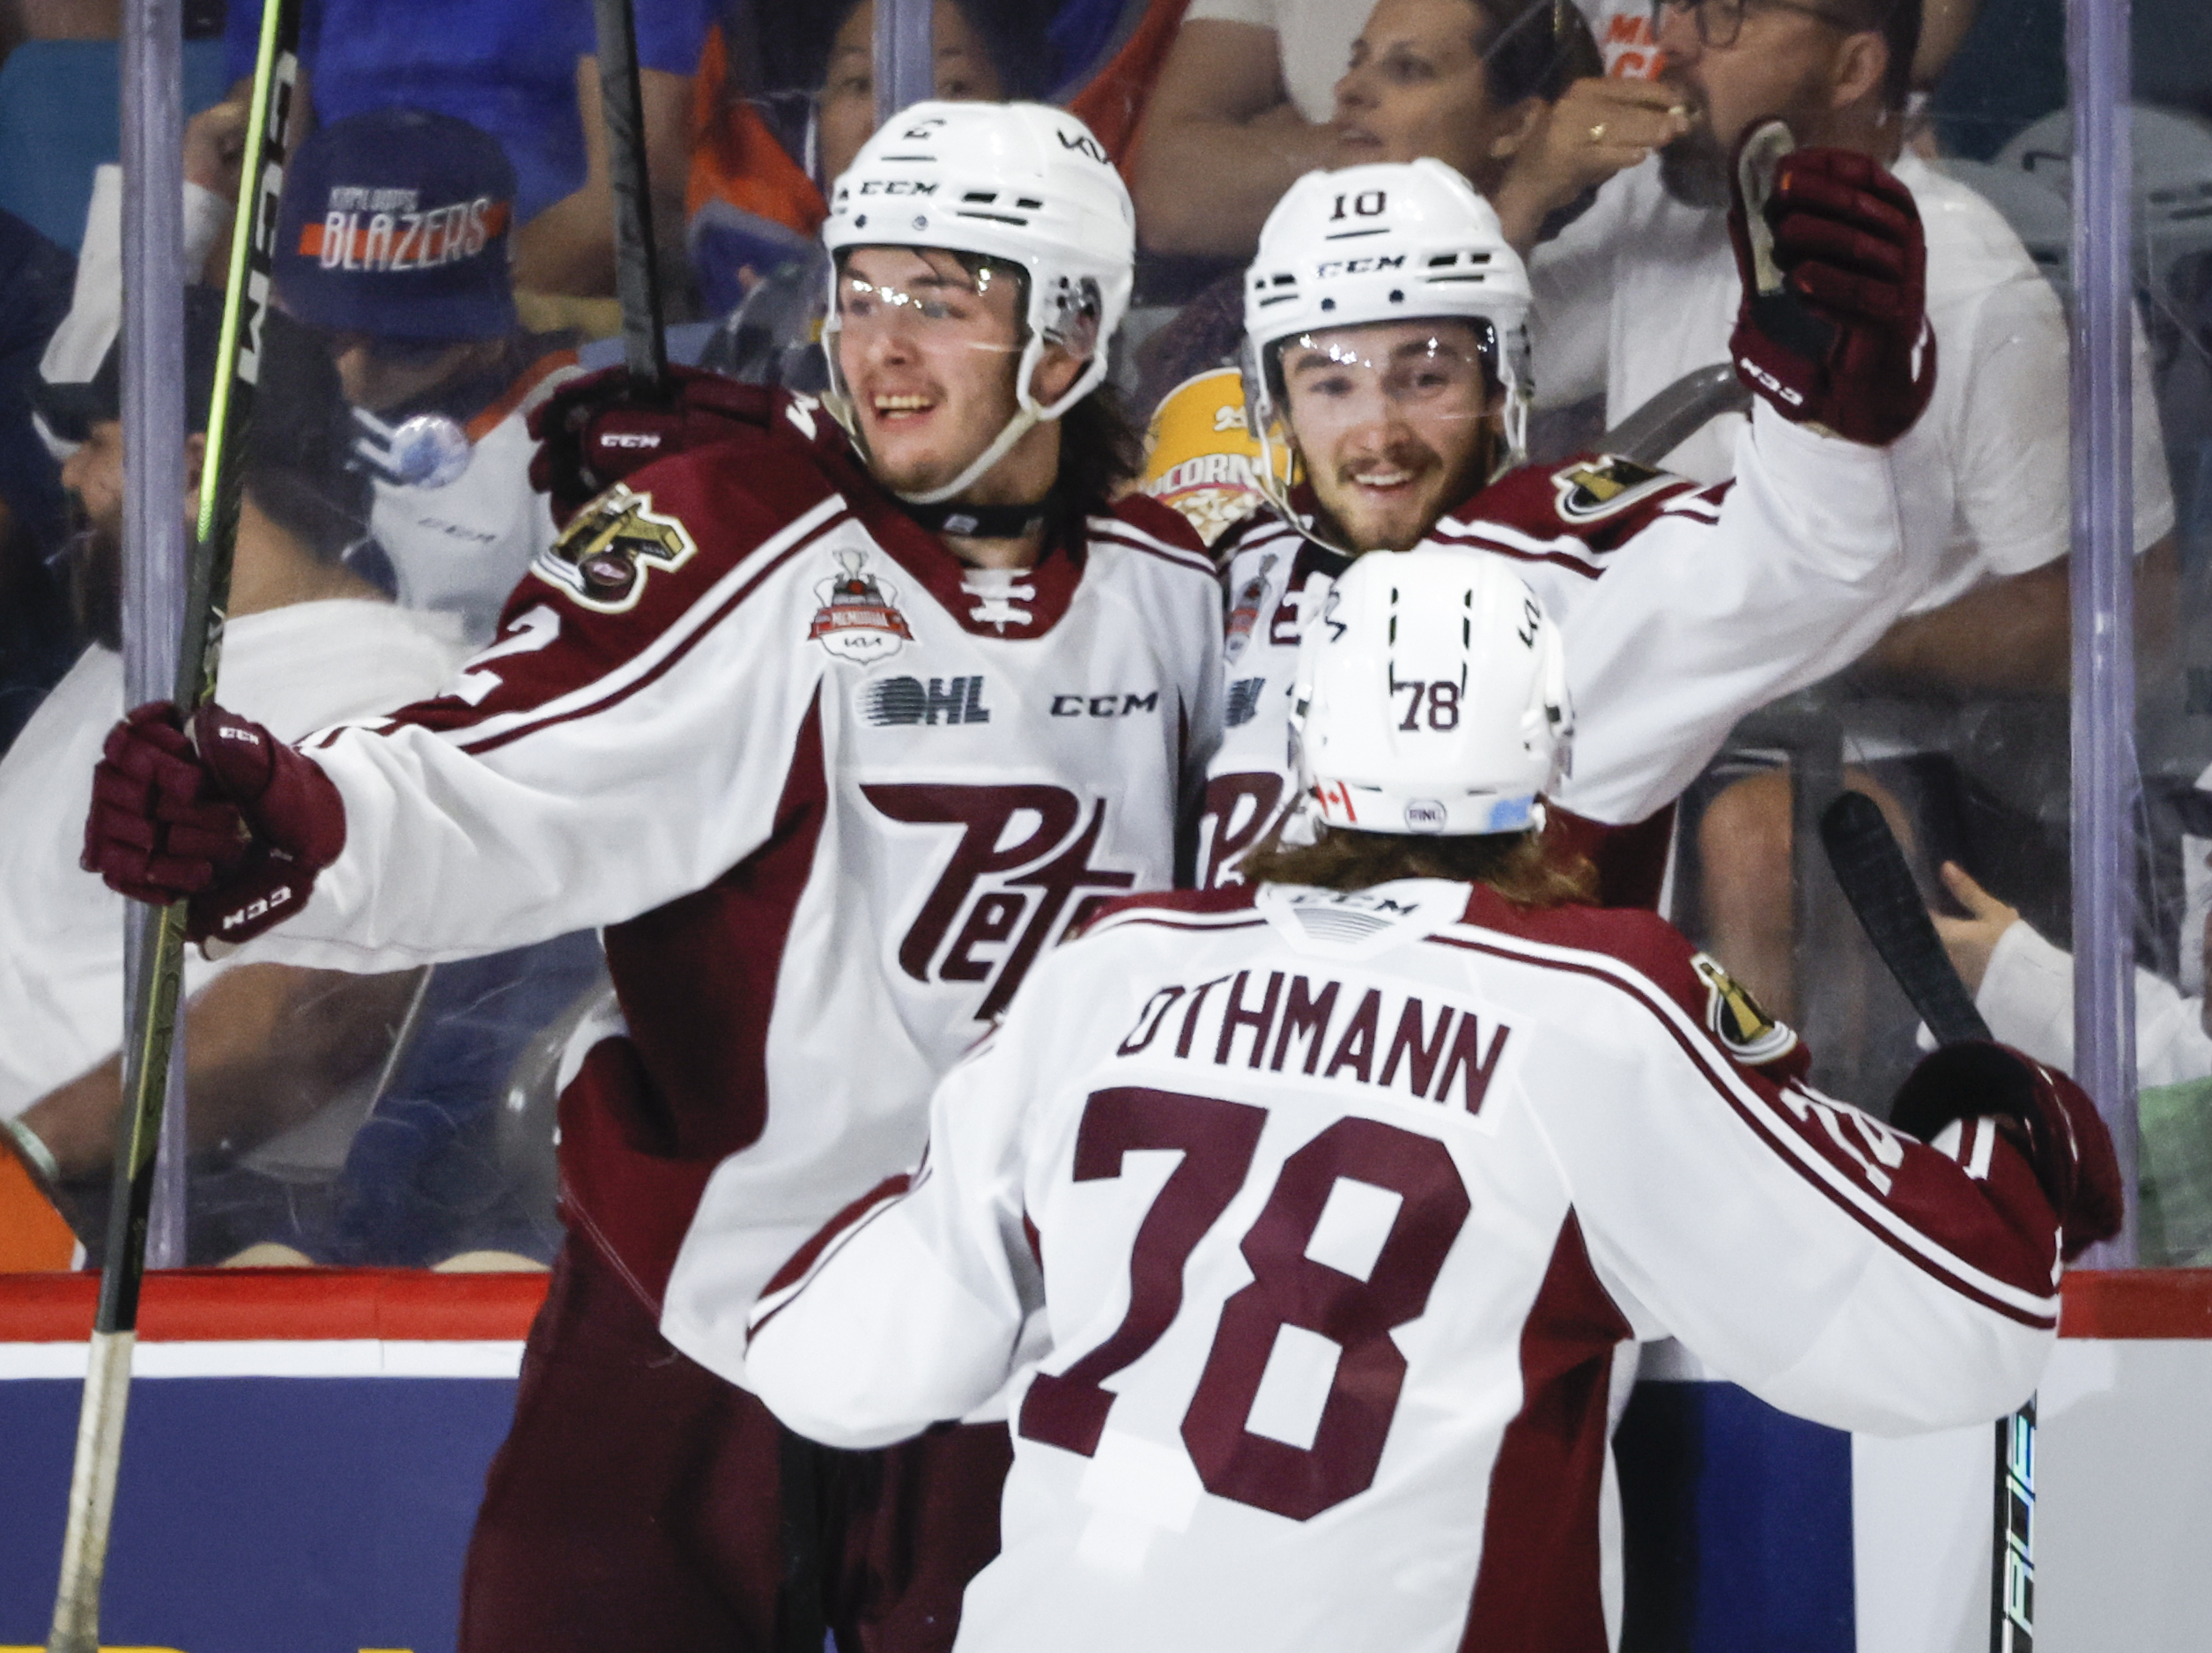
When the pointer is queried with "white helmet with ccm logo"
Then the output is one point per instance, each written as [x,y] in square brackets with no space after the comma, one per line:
[1432,698]
[1022,183]
[1390,242]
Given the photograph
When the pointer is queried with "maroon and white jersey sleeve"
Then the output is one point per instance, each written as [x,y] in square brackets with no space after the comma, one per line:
[1307,1225]
[1711,603]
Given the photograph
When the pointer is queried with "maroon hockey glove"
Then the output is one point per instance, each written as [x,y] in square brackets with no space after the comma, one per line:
[235,818]
[594,431]
[2042,1113]
[1833,327]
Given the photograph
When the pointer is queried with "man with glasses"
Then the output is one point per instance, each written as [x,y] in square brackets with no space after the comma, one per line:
[1638,292]
[394,248]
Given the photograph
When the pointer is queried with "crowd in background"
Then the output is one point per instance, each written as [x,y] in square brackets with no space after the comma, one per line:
[407,1119]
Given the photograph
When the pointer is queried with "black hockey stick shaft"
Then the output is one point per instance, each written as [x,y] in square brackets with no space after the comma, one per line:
[1879,885]
[156,986]
[636,257]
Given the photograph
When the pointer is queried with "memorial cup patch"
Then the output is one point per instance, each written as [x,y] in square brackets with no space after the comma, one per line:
[859,620]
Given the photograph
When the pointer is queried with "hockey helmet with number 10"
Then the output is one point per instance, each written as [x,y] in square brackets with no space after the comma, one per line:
[1431,698]
[1391,242]
[1020,182]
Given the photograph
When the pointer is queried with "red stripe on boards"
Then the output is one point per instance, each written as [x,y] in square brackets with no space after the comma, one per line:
[2137,1303]
[1538,1583]
[282,1305]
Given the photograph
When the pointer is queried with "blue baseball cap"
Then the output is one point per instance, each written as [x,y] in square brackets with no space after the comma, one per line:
[395,225]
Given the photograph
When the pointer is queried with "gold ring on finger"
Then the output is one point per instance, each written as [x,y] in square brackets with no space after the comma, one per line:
[1597,133]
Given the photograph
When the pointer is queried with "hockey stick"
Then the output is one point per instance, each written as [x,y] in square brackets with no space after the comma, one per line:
[637,259]
[99,1429]
[1879,885]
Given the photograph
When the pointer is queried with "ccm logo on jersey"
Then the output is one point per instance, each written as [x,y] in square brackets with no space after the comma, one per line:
[888,701]
[1600,487]
[1294,1018]
[603,556]
[1105,705]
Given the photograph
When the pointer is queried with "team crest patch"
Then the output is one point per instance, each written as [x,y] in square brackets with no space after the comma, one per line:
[1596,488]
[603,556]
[859,620]
[1736,1020]
[1251,598]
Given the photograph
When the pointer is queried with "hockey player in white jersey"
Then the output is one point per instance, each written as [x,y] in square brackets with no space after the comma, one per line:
[834,735]
[1385,341]
[1300,1223]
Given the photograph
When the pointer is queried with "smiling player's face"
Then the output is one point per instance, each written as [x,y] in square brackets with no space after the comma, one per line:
[1395,423]
[927,352]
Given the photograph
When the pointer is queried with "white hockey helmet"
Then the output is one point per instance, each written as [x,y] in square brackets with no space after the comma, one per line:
[1431,698]
[1018,182]
[1390,242]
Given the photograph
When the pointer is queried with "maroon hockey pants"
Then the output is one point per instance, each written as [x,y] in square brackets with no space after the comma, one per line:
[637,1504]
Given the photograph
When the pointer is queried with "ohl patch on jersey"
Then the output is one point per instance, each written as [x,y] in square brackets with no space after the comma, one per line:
[1592,489]
[603,556]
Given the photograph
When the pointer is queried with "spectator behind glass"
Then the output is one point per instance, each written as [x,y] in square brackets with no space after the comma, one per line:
[767,152]
[1622,303]
[525,71]
[1446,79]
[307,641]
[767,277]
[415,309]
[1251,97]
[34,633]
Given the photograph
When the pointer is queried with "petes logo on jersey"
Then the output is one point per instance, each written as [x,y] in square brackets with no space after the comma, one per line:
[1019,878]
[1736,1020]
[603,556]
[1599,488]
[859,620]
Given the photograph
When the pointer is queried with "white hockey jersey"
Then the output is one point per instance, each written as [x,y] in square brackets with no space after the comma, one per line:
[1307,1226]
[829,792]
[1683,609]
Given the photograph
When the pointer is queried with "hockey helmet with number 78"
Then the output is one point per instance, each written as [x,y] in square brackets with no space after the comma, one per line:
[1021,183]
[1431,697]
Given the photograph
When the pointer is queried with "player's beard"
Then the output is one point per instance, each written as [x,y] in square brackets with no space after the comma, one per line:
[90,566]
